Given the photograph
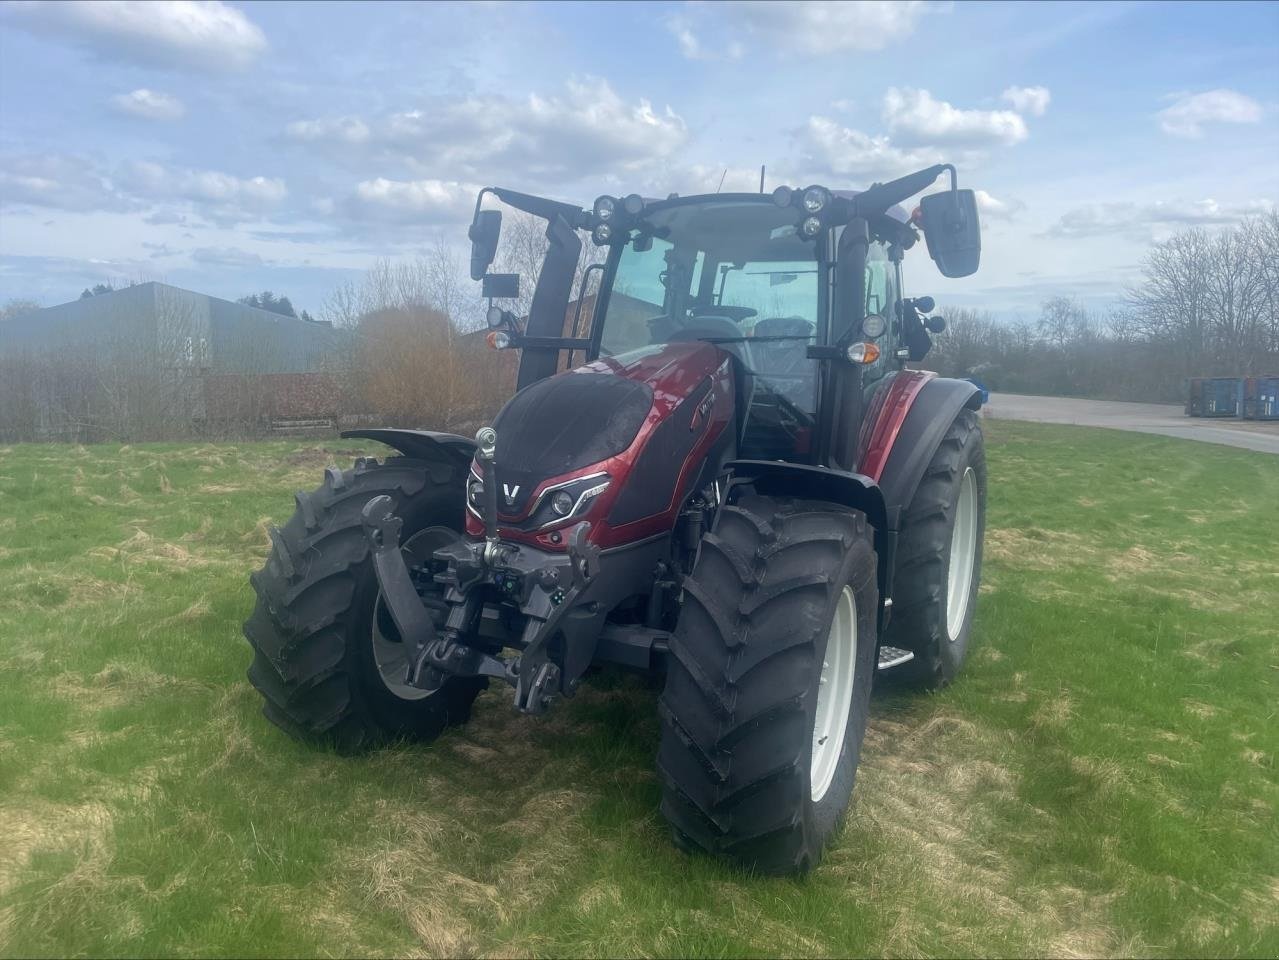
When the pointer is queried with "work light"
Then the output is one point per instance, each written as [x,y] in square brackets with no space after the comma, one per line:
[816,199]
[783,196]
[605,207]
[475,492]
[633,204]
[602,234]
[811,227]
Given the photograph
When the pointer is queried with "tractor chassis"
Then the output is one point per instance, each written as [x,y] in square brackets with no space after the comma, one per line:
[557,595]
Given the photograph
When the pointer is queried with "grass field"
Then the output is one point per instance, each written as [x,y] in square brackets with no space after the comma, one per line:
[1101,780]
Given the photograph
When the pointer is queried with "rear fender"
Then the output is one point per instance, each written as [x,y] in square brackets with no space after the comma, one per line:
[447,449]
[934,408]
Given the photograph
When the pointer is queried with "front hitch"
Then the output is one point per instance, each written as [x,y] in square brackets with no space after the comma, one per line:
[382,530]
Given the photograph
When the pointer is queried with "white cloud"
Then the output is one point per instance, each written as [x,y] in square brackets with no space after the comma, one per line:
[586,131]
[830,147]
[206,35]
[219,196]
[344,129]
[226,257]
[149,105]
[993,208]
[1031,100]
[1187,116]
[815,28]
[915,117]
[1138,219]
[682,29]
[410,202]
[58,181]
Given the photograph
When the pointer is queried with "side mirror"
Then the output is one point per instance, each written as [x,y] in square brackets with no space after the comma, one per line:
[484,233]
[952,231]
[500,286]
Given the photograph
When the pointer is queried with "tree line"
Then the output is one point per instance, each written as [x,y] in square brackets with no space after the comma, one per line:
[1206,304]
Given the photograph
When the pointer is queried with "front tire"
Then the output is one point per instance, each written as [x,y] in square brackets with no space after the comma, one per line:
[939,553]
[319,635]
[768,682]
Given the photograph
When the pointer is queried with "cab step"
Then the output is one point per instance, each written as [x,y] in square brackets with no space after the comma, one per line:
[890,657]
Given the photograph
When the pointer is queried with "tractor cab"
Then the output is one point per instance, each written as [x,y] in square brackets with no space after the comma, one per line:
[801,289]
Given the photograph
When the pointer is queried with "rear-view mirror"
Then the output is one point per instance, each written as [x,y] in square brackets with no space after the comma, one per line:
[500,286]
[484,233]
[952,231]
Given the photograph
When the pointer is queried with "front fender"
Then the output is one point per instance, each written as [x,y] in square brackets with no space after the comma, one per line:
[430,445]
[778,478]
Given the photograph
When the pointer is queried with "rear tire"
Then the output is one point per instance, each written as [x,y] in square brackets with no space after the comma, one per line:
[317,596]
[744,775]
[932,614]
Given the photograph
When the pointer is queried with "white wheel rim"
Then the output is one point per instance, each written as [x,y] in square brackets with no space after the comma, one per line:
[963,553]
[834,694]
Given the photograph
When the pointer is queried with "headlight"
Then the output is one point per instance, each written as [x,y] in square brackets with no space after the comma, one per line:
[475,492]
[562,503]
[605,207]
[874,326]
[811,227]
[602,234]
[816,199]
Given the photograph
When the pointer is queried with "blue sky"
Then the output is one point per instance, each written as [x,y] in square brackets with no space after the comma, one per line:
[235,147]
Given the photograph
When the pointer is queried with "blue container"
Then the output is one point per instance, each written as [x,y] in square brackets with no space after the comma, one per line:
[1222,397]
[1261,398]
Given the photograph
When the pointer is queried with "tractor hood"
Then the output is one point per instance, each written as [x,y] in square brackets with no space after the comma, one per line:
[597,419]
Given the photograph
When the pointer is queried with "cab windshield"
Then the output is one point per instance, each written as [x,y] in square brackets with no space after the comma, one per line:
[734,273]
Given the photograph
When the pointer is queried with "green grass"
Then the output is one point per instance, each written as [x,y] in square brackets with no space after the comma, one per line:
[1101,780]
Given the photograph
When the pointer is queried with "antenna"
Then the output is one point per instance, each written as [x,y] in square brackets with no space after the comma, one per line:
[721,180]
[761,178]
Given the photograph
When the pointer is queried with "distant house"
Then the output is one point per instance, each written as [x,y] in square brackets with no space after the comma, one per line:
[157,360]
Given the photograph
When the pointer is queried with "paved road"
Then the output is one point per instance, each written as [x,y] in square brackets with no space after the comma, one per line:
[1163,419]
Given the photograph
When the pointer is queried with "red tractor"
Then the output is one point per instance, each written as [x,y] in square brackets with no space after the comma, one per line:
[743,490]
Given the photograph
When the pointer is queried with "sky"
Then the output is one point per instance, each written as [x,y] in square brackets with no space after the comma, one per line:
[234,147]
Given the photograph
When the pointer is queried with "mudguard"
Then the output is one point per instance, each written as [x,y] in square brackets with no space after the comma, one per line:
[937,403]
[778,478]
[446,448]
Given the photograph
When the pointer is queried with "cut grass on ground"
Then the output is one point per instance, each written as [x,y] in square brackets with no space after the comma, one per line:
[1101,781]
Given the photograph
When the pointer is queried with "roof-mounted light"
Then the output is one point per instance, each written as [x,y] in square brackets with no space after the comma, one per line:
[633,204]
[810,228]
[605,207]
[783,196]
[816,199]
[602,234]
